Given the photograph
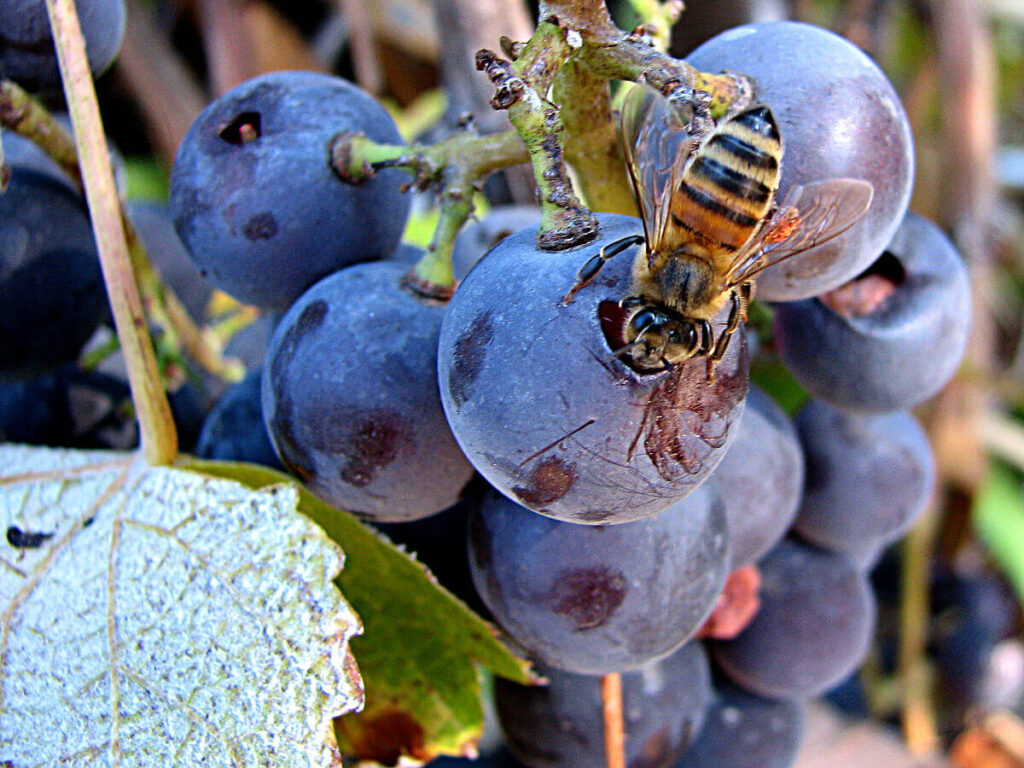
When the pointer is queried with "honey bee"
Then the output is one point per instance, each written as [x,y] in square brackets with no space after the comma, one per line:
[711,225]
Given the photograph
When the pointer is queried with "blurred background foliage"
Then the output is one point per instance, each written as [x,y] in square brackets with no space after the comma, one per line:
[949,660]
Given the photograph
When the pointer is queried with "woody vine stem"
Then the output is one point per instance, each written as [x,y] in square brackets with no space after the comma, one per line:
[555,88]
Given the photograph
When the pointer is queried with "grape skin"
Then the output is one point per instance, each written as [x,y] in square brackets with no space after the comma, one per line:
[762,477]
[560,725]
[548,417]
[839,116]
[599,599]
[350,397]
[256,202]
[815,623]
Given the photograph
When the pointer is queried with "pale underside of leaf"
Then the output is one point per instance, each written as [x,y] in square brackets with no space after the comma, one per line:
[420,649]
[154,616]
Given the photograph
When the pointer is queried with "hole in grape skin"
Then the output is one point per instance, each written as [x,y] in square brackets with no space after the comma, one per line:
[613,324]
[869,290]
[245,127]
[612,318]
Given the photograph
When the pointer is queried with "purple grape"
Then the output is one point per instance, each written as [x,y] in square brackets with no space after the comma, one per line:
[742,730]
[350,397]
[560,725]
[887,355]
[761,478]
[152,222]
[545,413]
[839,117]
[868,478]
[598,599]
[254,197]
[27,55]
[234,429]
[814,626]
[478,237]
[52,296]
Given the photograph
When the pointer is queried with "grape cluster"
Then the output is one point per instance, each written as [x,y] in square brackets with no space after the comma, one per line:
[673,525]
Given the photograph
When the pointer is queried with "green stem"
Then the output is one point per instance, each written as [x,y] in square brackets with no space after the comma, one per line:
[592,144]
[156,426]
[22,114]
[458,164]
[658,18]
[522,88]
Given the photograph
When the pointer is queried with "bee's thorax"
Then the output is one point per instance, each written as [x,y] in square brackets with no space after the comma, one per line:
[682,281]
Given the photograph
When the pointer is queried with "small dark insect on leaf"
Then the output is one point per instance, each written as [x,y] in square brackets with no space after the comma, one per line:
[26,539]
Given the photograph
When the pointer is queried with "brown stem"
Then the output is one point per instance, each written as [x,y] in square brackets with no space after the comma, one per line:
[614,738]
[166,91]
[228,44]
[919,725]
[364,47]
[156,427]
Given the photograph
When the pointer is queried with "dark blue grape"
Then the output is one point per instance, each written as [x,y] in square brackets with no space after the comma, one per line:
[868,478]
[864,355]
[478,237]
[27,55]
[560,725]
[599,599]
[350,397]
[548,416]
[839,117]
[742,730]
[254,197]
[152,222]
[52,296]
[761,479]
[234,429]
[814,625]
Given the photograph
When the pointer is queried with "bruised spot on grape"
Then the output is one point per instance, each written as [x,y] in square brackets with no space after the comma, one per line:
[373,445]
[385,737]
[548,481]
[469,357]
[588,596]
[655,747]
[261,226]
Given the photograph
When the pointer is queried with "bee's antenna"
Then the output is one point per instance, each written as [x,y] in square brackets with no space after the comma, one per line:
[623,350]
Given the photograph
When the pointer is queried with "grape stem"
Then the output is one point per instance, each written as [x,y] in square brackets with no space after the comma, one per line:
[614,738]
[458,165]
[555,89]
[156,427]
[24,115]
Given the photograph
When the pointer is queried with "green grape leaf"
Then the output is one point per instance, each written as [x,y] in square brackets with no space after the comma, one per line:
[155,616]
[417,652]
[998,515]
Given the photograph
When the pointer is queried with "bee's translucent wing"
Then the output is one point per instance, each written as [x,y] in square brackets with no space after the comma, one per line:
[810,215]
[656,145]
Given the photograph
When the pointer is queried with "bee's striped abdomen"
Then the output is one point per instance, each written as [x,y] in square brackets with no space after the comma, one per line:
[727,190]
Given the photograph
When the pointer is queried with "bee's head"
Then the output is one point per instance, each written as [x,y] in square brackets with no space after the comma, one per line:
[657,337]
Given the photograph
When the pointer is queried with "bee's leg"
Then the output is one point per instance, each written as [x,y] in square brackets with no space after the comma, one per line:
[737,311]
[593,265]
[746,291]
[707,338]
